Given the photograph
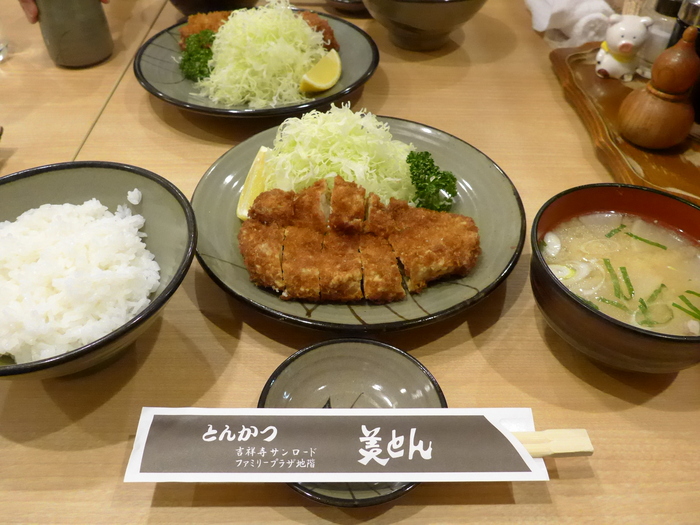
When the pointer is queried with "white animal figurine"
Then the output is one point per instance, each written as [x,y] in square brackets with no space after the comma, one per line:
[617,57]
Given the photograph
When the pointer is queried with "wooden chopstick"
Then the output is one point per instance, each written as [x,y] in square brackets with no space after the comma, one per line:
[556,443]
[632,7]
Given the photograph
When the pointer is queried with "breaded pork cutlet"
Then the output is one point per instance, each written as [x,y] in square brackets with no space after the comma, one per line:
[311,207]
[319,24]
[381,278]
[341,268]
[201,21]
[398,244]
[273,206]
[432,245]
[261,247]
[347,206]
[301,258]
[379,220]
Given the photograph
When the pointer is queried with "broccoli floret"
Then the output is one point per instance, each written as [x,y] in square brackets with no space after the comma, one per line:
[435,189]
[194,63]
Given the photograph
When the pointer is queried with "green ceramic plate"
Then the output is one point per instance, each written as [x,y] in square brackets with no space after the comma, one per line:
[157,70]
[485,194]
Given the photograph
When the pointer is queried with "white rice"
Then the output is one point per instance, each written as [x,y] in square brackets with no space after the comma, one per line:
[134,196]
[70,275]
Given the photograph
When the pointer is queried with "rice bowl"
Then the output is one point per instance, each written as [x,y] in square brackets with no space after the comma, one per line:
[169,233]
[69,275]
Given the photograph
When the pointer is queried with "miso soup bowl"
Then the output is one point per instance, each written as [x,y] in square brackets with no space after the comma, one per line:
[191,7]
[422,25]
[594,334]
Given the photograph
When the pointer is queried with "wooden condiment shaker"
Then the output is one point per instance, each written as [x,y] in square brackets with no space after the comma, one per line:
[660,114]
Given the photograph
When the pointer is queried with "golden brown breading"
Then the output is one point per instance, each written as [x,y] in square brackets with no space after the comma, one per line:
[341,268]
[200,22]
[381,278]
[215,19]
[300,263]
[274,206]
[433,245]
[319,263]
[405,216]
[347,206]
[319,24]
[311,207]
[261,247]
[379,219]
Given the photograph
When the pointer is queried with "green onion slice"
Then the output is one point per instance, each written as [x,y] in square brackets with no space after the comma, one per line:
[616,230]
[628,283]
[616,304]
[654,315]
[689,312]
[689,304]
[643,306]
[658,245]
[656,293]
[613,277]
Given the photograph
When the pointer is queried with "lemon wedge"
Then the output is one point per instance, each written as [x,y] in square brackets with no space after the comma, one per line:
[254,184]
[323,75]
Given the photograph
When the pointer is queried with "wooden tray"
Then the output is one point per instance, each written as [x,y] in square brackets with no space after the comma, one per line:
[675,170]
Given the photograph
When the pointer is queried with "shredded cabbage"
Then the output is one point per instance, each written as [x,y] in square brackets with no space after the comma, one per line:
[354,145]
[259,56]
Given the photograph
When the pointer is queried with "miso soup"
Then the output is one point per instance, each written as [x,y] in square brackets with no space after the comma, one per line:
[636,271]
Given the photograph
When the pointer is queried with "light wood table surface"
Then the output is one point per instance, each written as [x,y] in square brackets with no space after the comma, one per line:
[48,112]
[64,443]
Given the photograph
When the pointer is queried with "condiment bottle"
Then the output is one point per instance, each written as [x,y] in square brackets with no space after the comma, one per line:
[688,16]
[76,32]
[660,114]
[663,13]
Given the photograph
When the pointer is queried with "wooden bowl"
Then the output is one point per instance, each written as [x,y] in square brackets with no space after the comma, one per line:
[596,335]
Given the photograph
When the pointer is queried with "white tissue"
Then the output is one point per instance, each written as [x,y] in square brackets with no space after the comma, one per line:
[570,23]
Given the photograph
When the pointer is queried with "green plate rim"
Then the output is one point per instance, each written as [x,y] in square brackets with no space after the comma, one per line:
[244,112]
[364,327]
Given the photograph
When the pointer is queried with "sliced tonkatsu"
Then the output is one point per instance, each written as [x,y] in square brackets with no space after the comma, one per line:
[379,220]
[381,278]
[341,267]
[432,245]
[274,206]
[261,246]
[341,245]
[301,256]
[311,207]
[347,206]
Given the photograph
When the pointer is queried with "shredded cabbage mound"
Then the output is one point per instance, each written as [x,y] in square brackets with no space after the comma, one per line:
[260,55]
[354,145]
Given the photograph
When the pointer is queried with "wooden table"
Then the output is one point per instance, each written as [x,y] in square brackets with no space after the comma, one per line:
[64,443]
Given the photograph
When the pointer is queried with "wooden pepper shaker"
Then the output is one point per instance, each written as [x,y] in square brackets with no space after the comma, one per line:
[660,115]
